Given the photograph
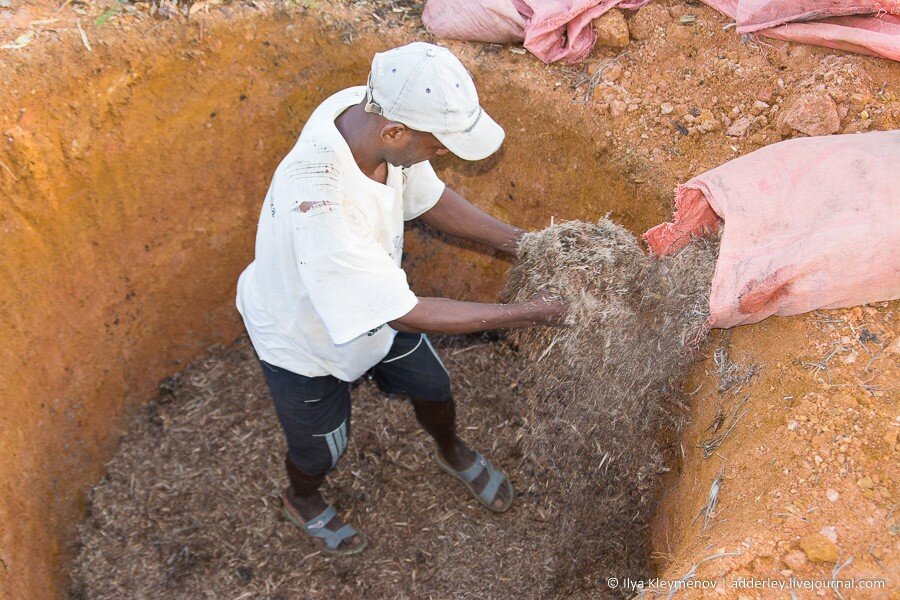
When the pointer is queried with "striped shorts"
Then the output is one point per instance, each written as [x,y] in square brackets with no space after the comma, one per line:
[315,411]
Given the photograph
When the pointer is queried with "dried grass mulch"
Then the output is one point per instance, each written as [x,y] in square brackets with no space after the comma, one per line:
[190,505]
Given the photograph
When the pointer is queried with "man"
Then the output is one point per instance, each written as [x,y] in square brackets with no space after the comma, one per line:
[325,299]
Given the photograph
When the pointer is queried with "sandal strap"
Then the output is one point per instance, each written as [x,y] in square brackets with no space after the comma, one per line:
[489,493]
[334,538]
[470,474]
[317,524]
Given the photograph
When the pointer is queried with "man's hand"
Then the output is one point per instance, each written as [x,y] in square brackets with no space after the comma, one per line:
[551,308]
[441,315]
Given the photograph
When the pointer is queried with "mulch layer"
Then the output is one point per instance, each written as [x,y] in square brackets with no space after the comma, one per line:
[190,505]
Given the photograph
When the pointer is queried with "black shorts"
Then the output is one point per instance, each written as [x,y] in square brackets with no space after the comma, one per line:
[315,411]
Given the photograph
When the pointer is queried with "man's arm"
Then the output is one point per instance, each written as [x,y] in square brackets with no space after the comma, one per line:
[456,216]
[442,315]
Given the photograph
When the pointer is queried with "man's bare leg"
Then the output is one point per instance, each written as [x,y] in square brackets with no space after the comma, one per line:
[439,420]
[306,501]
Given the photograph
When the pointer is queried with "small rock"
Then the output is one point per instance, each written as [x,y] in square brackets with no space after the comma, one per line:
[681,38]
[644,23]
[859,101]
[617,108]
[894,347]
[612,29]
[856,126]
[593,66]
[795,559]
[865,483]
[832,495]
[765,94]
[666,108]
[813,113]
[850,358]
[707,121]
[739,128]
[759,107]
[612,72]
[819,548]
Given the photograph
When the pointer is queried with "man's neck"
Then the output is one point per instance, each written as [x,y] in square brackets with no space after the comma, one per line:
[362,137]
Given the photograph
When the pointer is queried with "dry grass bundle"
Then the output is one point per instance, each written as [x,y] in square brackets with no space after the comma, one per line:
[602,391]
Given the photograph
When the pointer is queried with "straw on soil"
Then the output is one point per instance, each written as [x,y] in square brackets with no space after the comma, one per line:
[603,391]
[190,505]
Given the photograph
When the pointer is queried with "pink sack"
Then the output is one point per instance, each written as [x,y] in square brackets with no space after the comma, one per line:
[809,223]
[492,21]
[561,29]
[875,34]
[753,15]
[551,29]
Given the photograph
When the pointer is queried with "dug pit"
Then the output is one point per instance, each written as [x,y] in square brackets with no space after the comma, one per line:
[131,185]
[132,210]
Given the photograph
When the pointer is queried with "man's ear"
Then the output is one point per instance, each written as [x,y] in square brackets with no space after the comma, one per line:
[394,133]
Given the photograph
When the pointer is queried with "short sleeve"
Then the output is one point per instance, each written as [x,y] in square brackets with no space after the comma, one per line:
[421,191]
[353,283]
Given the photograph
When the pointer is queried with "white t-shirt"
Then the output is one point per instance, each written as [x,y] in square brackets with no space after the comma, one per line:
[326,277]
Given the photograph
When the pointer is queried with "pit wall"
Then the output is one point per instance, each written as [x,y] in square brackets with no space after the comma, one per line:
[129,207]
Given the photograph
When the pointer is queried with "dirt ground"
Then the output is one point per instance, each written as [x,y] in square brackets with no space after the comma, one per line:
[810,465]
[809,469]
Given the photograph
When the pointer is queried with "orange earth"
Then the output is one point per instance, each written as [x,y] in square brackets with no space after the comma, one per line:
[136,149]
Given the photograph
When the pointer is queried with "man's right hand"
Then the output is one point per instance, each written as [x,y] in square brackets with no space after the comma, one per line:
[442,315]
[551,308]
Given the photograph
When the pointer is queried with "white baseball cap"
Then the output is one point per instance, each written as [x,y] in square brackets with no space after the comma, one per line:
[426,88]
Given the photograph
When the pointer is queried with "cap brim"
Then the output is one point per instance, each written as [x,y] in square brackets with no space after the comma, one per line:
[479,142]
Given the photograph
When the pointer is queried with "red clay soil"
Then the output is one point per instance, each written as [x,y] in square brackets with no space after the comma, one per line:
[131,177]
[810,469]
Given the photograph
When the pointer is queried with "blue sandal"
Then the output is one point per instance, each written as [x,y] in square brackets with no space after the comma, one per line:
[496,478]
[317,527]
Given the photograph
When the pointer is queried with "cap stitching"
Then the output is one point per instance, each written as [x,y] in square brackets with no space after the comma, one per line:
[409,81]
[475,122]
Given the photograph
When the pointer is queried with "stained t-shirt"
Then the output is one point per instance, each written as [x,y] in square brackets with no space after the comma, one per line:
[326,276]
